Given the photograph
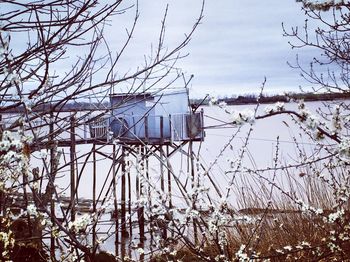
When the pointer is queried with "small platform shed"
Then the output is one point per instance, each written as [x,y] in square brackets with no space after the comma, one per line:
[154,118]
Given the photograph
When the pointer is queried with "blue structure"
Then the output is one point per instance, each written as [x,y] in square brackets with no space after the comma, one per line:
[154,118]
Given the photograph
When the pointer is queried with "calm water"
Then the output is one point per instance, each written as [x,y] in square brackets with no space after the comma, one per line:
[220,147]
[260,151]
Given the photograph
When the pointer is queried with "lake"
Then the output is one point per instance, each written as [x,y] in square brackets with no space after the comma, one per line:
[218,169]
[221,146]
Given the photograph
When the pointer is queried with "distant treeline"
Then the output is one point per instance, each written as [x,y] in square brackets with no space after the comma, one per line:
[237,100]
[52,107]
[266,99]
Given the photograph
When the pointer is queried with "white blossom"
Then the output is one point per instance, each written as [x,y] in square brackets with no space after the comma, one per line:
[336,215]
[307,208]
[336,123]
[43,154]
[222,104]
[80,223]
[5,145]
[319,211]
[277,107]
[323,4]
[31,210]
[344,148]
[312,122]
[191,213]
[13,163]
[288,248]
[306,244]
[140,251]
[6,239]
[241,255]
[242,117]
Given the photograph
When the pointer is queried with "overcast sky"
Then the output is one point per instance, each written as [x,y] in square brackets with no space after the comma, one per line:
[240,43]
[236,46]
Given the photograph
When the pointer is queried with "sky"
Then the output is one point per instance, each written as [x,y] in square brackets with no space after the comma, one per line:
[237,45]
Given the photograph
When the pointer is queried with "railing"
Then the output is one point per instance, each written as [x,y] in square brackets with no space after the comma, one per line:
[99,128]
[187,126]
[150,128]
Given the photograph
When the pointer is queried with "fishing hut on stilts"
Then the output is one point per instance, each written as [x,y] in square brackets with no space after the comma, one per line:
[145,126]
[120,154]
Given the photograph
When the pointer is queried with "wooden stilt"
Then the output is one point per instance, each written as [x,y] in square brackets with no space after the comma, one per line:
[162,163]
[170,203]
[2,195]
[140,209]
[150,222]
[195,232]
[2,205]
[129,204]
[51,186]
[123,195]
[72,167]
[140,194]
[25,198]
[169,178]
[137,188]
[94,246]
[124,232]
[152,147]
[115,215]
[161,153]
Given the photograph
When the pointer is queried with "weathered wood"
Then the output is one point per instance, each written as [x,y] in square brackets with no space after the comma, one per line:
[2,195]
[152,148]
[51,186]
[123,196]
[124,233]
[115,214]
[162,163]
[191,158]
[94,174]
[72,167]
[129,204]
[140,211]
[169,178]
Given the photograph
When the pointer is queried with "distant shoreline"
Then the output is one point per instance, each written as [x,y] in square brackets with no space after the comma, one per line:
[253,99]
[239,100]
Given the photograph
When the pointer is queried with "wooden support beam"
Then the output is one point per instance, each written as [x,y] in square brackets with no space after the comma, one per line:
[129,203]
[72,167]
[162,163]
[140,189]
[123,195]
[115,215]
[94,203]
[169,177]
[191,158]
[51,186]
